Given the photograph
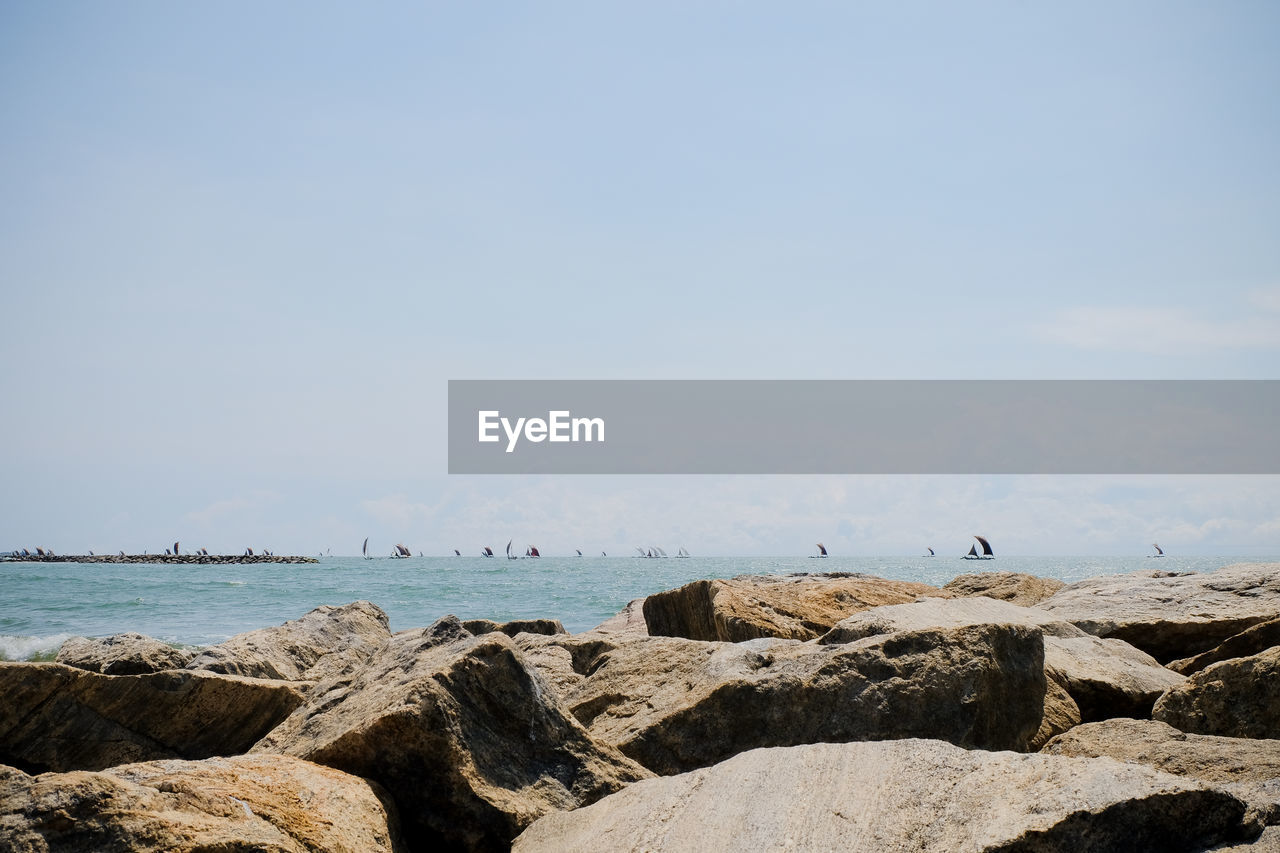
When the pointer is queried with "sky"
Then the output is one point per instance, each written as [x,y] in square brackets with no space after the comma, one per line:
[243,248]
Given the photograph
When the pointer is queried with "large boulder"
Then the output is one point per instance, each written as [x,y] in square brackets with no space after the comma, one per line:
[1105,678]
[320,643]
[1014,587]
[1248,768]
[1250,641]
[1171,615]
[917,795]
[515,626]
[798,607]
[230,805]
[122,654]
[627,622]
[470,741]
[674,704]
[60,718]
[1235,698]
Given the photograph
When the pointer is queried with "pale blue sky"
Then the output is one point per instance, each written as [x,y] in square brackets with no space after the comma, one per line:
[244,246]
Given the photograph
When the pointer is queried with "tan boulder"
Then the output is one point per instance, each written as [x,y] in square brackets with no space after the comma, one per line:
[917,795]
[469,740]
[320,643]
[122,654]
[1250,641]
[60,718]
[674,704]
[515,626]
[1014,587]
[1172,615]
[243,804]
[798,607]
[1105,677]
[629,622]
[1239,697]
[1248,768]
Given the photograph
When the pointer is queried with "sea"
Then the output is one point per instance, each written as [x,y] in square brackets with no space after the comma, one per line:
[43,604]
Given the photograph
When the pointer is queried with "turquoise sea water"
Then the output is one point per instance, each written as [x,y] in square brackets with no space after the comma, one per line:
[44,603]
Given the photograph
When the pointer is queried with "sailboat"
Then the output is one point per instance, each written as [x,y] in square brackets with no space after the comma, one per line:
[822,552]
[401,552]
[682,552]
[364,549]
[488,552]
[510,556]
[533,552]
[930,550]
[1159,552]
[986,554]
[579,550]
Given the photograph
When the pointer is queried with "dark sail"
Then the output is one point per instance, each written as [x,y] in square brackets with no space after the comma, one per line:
[986,547]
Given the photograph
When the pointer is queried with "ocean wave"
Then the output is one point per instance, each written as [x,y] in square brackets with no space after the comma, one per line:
[31,648]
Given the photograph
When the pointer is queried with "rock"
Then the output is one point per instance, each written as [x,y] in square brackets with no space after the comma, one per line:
[1061,713]
[515,626]
[1248,768]
[1250,641]
[1172,615]
[1105,678]
[1235,698]
[60,718]
[629,621]
[674,704]
[320,643]
[1267,842]
[1014,587]
[917,795]
[246,803]
[798,607]
[469,740]
[122,654]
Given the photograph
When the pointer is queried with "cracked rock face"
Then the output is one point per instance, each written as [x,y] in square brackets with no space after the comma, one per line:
[468,739]
[1013,587]
[919,795]
[230,805]
[55,717]
[792,607]
[1172,616]
[674,704]
[122,654]
[320,643]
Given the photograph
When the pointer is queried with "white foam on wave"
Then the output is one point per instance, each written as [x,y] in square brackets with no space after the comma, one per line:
[31,648]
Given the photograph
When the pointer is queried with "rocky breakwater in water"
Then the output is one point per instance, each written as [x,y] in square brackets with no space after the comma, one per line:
[851,713]
[180,559]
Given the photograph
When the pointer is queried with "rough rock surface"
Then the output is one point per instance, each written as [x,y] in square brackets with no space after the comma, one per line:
[229,805]
[1169,615]
[914,795]
[1252,640]
[627,622]
[122,654]
[674,704]
[1248,768]
[1105,678]
[1235,698]
[1267,842]
[515,626]
[1014,587]
[468,739]
[55,717]
[1061,713]
[320,643]
[798,607]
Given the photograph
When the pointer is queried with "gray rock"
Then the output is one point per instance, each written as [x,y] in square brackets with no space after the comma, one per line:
[1250,769]
[1105,678]
[627,622]
[1014,587]
[1172,615]
[1252,640]
[122,654]
[229,805]
[792,607]
[515,626]
[60,718]
[1235,698]
[916,795]
[320,643]
[674,704]
[470,741]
